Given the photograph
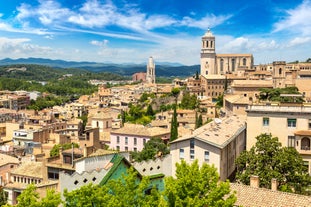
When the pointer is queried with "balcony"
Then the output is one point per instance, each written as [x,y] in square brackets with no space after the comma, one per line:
[304,150]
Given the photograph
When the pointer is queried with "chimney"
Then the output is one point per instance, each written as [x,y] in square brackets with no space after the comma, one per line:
[85,151]
[254,181]
[44,170]
[274,184]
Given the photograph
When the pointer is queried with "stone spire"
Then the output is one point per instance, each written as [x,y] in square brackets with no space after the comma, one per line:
[150,77]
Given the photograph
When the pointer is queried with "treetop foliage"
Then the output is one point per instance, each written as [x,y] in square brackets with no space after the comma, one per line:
[268,159]
[267,94]
[151,149]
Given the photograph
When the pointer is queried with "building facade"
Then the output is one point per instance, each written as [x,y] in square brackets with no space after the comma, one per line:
[150,77]
[217,143]
[290,123]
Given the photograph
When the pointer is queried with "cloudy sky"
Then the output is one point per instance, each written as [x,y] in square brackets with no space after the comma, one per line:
[124,31]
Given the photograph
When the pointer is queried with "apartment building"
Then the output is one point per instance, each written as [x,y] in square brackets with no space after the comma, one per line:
[217,143]
[132,137]
[291,123]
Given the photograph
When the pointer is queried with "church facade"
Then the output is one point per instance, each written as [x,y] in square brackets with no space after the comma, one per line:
[220,64]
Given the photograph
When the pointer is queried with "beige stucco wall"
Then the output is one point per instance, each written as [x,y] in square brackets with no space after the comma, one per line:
[199,148]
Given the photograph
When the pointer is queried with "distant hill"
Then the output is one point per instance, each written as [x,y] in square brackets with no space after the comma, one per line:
[127,69]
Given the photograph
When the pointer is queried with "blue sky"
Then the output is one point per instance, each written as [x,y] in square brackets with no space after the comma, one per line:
[129,31]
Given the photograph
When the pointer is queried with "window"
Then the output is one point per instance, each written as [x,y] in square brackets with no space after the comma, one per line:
[265,121]
[309,124]
[206,156]
[244,61]
[305,143]
[291,141]
[306,165]
[221,65]
[135,141]
[126,149]
[144,141]
[135,149]
[118,148]
[118,139]
[192,154]
[291,122]
[233,64]
[181,154]
[192,143]
[126,140]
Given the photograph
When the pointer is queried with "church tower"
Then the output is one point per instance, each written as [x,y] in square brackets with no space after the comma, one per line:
[208,55]
[150,77]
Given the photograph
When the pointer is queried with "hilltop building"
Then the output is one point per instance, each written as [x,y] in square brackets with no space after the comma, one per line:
[150,77]
[220,64]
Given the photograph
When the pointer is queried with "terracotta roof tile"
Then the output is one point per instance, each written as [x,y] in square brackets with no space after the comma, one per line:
[262,197]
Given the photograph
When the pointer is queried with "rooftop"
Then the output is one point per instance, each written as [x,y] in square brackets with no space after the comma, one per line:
[262,197]
[279,109]
[30,169]
[140,130]
[219,132]
[7,159]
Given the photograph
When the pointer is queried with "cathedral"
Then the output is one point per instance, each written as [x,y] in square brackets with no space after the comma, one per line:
[150,76]
[220,64]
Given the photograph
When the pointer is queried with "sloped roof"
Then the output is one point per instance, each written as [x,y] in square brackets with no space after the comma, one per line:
[31,169]
[219,132]
[140,130]
[7,159]
[262,197]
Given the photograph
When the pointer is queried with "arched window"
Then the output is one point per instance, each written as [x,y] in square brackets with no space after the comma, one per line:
[244,61]
[233,64]
[221,65]
[211,44]
[305,143]
[280,71]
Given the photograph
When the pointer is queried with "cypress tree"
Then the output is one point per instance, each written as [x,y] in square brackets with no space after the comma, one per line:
[174,125]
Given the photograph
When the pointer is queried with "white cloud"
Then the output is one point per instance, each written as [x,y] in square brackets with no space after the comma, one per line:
[47,12]
[209,20]
[298,41]
[21,47]
[100,43]
[296,20]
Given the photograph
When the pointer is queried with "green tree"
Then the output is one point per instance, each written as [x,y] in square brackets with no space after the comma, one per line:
[189,101]
[3,197]
[151,149]
[197,186]
[174,126]
[200,121]
[149,111]
[267,159]
[30,198]
[55,150]
[175,92]
[130,190]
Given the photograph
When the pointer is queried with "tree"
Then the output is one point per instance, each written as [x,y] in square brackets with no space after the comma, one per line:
[189,101]
[3,197]
[55,150]
[149,111]
[267,159]
[174,126]
[197,186]
[175,92]
[30,198]
[151,149]
[200,121]
[130,190]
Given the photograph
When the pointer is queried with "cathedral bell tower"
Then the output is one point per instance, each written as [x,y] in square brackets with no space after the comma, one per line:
[150,76]
[208,55]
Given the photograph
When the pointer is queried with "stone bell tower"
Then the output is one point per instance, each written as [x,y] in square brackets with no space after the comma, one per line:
[150,76]
[208,55]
